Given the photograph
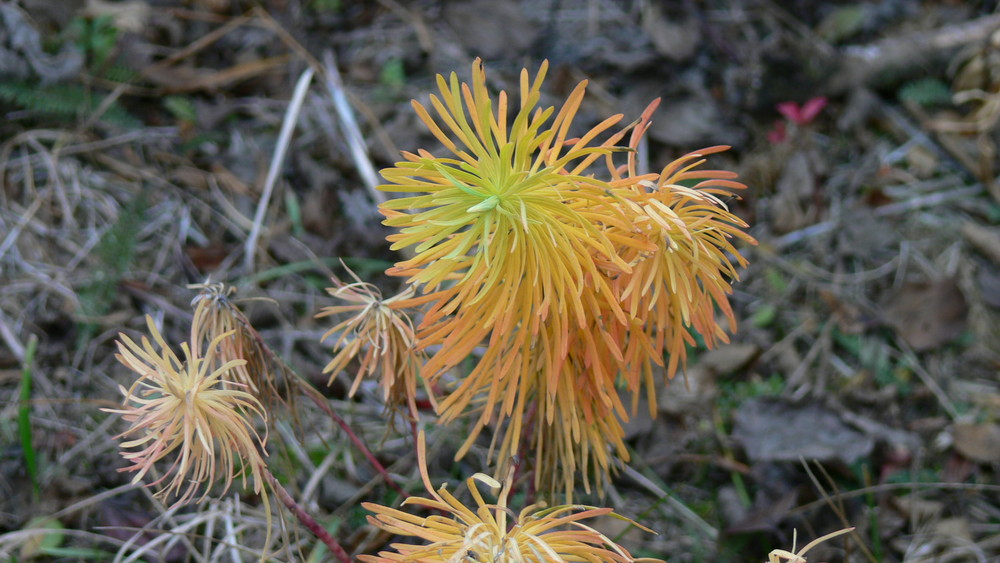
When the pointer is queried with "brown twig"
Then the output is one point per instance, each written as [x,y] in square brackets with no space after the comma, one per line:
[865,64]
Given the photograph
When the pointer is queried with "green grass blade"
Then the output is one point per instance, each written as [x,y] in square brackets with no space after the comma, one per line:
[24,418]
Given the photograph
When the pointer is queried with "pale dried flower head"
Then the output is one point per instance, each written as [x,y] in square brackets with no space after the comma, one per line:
[382,334]
[216,314]
[190,409]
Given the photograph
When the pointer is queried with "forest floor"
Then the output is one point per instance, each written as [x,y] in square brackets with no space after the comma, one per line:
[861,389]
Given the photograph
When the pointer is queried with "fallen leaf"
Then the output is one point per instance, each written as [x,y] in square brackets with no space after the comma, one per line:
[989,287]
[917,509]
[978,442]
[729,358]
[847,316]
[206,258]
[688,392]
[775,430]
[230,181]
[792,203]
[927,314]
[676,39]
[491,29]
[131,15]
[765,516]
[116,521]
[692,121]
[37,544]
[922,161]
[957,469]
[844,22]
[984,239]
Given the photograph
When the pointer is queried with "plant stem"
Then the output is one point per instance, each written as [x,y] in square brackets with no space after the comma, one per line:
[308,521]
[24,419]
[321,403]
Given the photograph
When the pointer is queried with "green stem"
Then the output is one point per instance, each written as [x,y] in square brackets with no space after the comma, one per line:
[24,419]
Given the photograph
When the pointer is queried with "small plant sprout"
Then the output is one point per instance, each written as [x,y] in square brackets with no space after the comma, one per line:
[781,555]
[191,408]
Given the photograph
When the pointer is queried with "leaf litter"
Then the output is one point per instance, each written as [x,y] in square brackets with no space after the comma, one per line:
[876,317]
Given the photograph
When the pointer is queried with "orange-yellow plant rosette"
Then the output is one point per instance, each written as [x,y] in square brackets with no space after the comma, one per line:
[567,285]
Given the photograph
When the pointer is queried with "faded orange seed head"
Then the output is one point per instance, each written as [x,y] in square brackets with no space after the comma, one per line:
[190,409]
[216,314]
[493,531]
[381,330]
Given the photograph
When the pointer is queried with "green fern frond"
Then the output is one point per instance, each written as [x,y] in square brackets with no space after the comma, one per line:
[64,101]
[119,73]
[114,256]
[926,92]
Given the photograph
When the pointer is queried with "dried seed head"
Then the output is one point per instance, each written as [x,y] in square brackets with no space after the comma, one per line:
[191,409]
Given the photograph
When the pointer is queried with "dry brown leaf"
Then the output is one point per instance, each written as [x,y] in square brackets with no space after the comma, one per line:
[917,509]
[476,25]
[792,204]
[693,121]
[676,39]
[978,442]
[922,161]
[688,392]
[206,258]
[989,287]
[765,516]
[775,430]
[984,239]
[847,316]
[956,527]
[729,358]
[927,314]
[230,181]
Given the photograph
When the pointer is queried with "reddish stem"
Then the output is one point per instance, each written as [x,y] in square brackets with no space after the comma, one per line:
[312,525]
[321,403]
[529,430]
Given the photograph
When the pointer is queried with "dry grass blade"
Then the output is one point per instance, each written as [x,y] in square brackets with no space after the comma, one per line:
[284,140]
[778,555]
[349,128]
[835,503]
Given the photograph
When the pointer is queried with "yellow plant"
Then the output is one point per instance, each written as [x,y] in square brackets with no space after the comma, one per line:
[682,278]
[779,555]
[562,283]
[567,287]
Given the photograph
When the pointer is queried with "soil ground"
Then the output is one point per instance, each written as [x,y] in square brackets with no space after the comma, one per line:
[860,391]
